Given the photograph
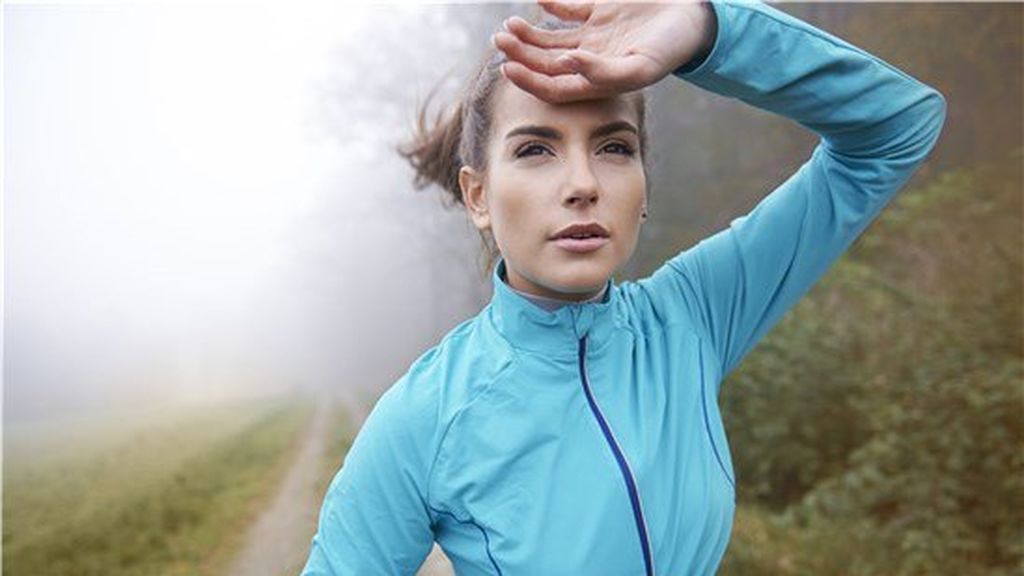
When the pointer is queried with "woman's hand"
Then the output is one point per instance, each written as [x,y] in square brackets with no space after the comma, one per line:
[619,47]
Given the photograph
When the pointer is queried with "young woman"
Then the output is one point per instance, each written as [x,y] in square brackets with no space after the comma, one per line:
[572,427]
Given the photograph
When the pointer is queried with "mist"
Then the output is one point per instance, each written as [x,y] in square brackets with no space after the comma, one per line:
[204,202]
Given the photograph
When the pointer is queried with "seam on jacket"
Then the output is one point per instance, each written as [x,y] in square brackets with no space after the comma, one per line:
[570,354]
[456,334]
[447,427]
[487,541]
[662,328]
[701,341]
[707,422]
[688,323]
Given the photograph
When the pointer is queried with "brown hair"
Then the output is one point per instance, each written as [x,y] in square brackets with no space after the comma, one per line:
[458,137]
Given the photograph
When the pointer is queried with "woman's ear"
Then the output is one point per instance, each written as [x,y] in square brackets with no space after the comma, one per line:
[472,185]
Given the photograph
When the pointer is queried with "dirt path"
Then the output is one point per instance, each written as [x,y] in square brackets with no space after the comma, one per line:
[278,543]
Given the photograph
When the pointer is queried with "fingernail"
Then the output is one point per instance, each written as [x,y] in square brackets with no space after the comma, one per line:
[504,24]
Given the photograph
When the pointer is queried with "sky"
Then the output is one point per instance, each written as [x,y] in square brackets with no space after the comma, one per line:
[202,201]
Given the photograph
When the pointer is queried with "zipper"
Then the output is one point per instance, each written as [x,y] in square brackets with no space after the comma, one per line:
[627,474]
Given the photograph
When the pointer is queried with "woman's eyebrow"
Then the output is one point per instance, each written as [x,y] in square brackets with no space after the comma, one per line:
[552,134]
[532,130]
[613,127]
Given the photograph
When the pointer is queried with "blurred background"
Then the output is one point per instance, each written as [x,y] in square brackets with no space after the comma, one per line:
[215,262]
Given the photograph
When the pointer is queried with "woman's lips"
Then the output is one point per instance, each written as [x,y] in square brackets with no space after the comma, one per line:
[581,245]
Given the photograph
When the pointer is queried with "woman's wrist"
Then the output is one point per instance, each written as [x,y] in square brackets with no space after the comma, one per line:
[707,22]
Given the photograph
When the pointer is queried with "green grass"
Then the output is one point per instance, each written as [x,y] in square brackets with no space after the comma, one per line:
[339,439]
[340,432]
[169,498]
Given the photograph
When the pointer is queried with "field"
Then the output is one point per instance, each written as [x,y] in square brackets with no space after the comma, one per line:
[167,493]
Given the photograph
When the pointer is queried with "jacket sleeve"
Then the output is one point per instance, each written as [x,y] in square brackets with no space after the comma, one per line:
[876,124]
[374,519]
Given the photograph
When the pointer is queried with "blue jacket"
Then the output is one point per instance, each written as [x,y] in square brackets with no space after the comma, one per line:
[588,440]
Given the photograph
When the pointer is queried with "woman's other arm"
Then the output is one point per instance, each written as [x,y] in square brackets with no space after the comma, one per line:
[374,518]
[877,125]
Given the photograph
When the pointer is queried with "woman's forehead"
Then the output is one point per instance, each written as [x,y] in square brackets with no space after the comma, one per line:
[515,107]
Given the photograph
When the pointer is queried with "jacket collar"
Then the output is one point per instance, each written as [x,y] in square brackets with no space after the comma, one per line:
[529,327]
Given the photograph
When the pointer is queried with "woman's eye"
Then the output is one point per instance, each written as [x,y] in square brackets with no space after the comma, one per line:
[618,148]
[531,150]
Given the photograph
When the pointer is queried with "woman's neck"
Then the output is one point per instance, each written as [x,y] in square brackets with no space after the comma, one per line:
[550,304]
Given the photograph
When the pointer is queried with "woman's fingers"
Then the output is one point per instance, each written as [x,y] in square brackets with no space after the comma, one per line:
[538,59]
[621,73]
[560,75]
[554,89]
[565,38]
[576,11]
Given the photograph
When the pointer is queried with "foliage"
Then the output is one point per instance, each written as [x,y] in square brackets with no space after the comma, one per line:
[339,440]
[713,157]
[183,519]
[764,543]
[880,423]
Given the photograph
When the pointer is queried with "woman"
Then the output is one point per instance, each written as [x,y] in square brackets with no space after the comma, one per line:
[572,426]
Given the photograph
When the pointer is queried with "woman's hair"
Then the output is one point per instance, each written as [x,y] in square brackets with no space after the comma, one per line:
[458,137]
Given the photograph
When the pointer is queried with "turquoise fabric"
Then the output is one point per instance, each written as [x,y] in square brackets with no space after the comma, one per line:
[588,440]
[553,303]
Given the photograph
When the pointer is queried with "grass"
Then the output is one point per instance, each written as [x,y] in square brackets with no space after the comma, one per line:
[170,498]
[339,439]
[340,432]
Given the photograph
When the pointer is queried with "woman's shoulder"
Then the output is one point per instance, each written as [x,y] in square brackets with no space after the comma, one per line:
[665,298]
[450,374]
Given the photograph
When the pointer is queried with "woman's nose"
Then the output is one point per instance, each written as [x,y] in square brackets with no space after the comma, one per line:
[581,186]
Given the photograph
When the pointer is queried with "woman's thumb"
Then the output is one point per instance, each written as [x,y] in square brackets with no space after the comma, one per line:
[589,65]
[621,73]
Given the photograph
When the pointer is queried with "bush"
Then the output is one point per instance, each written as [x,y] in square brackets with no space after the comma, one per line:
[881,420]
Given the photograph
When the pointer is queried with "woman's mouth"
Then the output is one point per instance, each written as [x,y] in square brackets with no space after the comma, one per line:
[581,238]
[581,245]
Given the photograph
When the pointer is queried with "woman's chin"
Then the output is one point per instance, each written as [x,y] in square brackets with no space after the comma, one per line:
[577,285]
[570,279]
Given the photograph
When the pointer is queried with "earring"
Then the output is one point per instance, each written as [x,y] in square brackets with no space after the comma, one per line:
[644,213]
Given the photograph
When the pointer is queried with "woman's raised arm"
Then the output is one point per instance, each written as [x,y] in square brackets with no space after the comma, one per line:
[877,124]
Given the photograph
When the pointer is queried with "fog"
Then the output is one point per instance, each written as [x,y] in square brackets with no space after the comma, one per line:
[202,202]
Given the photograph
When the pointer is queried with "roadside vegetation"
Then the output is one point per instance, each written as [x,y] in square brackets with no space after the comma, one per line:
[171,498]
[340,433]
[878,429]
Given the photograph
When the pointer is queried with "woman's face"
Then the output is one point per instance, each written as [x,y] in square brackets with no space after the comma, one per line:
[553,166]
